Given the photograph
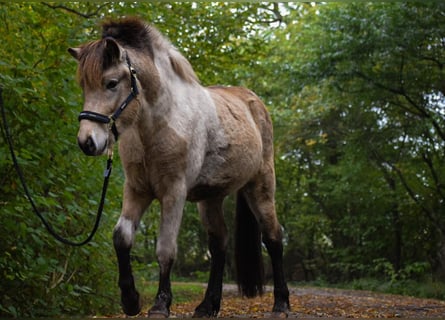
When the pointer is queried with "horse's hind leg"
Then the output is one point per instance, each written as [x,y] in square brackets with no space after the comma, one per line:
[213,219]
[133,207]
[259,194]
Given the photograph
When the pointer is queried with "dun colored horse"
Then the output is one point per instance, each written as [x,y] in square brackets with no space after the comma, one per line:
[180,141]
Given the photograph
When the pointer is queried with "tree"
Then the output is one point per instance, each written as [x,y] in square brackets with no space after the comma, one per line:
[366,129]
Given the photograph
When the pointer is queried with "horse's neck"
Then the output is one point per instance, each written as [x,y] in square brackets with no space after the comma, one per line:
[180,104]
[181,99]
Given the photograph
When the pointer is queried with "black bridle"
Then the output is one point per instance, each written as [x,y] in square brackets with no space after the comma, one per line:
[111,120]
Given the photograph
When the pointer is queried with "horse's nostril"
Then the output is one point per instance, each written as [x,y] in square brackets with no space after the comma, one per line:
[88,146]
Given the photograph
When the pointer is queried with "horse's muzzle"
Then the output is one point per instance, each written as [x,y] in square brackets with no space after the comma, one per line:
[89,147]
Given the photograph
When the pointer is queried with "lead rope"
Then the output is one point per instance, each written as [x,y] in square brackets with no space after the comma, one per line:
[48,226]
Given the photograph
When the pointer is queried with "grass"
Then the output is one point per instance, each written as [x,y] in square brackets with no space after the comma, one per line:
[426,288]
[421,289]
[182,291]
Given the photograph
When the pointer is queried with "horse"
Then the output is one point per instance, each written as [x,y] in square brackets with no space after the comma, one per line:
[180,141]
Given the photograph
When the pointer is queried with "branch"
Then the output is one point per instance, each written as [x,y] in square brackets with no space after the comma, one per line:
[412,195]
[438,185]
[401,91]
[71,10]
[276,11]
[278,17]
[434,60]
[381,162]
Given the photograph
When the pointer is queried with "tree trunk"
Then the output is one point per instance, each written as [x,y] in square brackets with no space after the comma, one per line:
[439,263]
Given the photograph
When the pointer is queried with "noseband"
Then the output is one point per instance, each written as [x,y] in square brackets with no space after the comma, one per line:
[111,120]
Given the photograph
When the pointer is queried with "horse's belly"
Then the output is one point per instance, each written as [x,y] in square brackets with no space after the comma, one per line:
[203,192]
[215,188]
[225,171]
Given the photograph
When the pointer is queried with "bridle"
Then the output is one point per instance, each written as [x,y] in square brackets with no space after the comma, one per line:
[111,120]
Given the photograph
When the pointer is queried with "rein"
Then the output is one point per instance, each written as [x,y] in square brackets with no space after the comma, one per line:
[88,115]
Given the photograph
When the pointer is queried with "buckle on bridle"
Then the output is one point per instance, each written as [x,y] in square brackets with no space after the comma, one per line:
[112,127]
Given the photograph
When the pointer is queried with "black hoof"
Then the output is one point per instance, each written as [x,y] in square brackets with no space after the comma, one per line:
[281,310]
[204,314]
[131,304]
[157,313]
[277,315]
[206,310]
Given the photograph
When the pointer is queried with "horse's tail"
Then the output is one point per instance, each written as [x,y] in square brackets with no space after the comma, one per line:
[248,250]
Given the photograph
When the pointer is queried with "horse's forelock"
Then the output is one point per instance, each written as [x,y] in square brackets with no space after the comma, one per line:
[93,61]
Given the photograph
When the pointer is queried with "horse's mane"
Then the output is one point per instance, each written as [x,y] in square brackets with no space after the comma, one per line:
[131,33]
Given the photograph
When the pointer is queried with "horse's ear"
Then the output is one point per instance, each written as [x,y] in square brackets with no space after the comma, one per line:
[113,52]
[74,52]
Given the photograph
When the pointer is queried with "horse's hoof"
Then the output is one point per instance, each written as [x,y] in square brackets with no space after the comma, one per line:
[204,314]
[158,312]
[131,304]
[281,315]
[206,310]
[155,315]
[132,312]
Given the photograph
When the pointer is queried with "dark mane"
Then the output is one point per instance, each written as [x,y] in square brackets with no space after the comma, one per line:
[135,33]
[130,32]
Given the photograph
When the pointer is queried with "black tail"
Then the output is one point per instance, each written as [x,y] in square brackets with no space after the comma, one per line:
[248,251]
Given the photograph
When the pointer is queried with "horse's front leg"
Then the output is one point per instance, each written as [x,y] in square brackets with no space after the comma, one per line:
[172,207]
[133,207]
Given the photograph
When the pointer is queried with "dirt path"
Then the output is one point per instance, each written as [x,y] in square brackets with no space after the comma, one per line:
[318,302]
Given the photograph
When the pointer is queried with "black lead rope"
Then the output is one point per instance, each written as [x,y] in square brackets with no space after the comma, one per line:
[50,229]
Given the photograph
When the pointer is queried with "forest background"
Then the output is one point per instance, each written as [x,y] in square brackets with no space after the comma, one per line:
[356,93]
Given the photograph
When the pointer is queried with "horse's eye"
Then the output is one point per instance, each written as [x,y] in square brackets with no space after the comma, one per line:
[112,84]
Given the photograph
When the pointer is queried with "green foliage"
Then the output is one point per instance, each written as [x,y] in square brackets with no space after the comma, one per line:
[365,133]
[41,277]
[356,95]
[422,288]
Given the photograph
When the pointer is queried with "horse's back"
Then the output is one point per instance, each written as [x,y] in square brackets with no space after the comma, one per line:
[234,103]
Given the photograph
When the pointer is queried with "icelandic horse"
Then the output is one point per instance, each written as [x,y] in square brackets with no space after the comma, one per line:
[178,142]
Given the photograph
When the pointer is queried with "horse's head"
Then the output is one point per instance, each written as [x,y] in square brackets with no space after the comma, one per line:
[109,86]
[106,75]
